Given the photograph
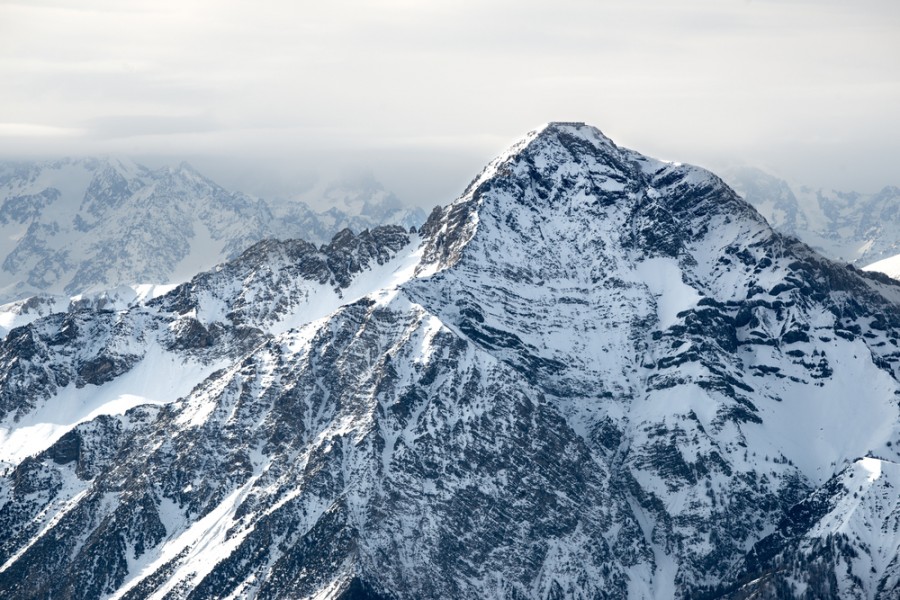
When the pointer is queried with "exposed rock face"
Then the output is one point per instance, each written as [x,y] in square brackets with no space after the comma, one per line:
[595,375]
[217,316]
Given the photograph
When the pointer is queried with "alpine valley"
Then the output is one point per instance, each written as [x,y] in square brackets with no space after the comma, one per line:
[593,375]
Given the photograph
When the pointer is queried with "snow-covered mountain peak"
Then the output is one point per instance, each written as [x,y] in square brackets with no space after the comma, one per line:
[568,182]
[351,193]
[860,228]
[186,173]
[566,213]
[553,129]
[543,141]
[588,133]
[608,378]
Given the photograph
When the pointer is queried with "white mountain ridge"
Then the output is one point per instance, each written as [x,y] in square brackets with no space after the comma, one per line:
[593,375]
[890,266]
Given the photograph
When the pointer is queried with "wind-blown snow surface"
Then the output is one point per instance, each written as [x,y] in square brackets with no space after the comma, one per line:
[596,375]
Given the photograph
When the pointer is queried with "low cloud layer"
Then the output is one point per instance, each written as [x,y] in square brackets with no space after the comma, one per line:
[263,94]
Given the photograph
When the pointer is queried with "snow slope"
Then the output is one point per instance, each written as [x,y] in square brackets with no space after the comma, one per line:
[889,266]
[157,369]
[848,226]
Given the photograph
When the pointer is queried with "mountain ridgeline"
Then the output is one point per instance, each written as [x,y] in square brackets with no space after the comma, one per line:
[593,375]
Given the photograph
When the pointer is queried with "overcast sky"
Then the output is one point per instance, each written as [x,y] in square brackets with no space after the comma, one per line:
[261,95]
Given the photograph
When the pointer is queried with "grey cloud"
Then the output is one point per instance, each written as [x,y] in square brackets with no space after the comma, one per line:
[124,126]
[425,93]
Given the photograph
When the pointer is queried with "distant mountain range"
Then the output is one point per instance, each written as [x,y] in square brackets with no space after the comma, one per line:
[79,225]
[859,228]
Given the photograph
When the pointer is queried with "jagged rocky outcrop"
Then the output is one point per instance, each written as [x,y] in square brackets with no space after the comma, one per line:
[594,375]
[217,316]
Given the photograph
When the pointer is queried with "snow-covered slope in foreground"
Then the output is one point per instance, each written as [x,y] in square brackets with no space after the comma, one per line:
[596,375]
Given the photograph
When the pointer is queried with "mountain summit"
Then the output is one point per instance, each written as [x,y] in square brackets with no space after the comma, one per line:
[593,375]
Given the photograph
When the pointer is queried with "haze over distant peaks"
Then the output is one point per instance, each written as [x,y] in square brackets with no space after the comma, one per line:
[859,228]
[78,225]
